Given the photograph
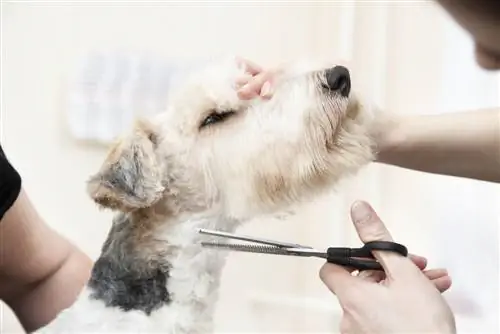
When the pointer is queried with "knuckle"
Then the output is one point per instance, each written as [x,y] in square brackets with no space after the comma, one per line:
[375,232]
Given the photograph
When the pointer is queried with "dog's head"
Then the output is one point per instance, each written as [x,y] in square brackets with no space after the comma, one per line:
[211,152]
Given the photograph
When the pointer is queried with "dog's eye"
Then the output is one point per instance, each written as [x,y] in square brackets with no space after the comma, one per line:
[216,117]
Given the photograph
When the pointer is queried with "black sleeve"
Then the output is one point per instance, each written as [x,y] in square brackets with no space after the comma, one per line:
[10,184]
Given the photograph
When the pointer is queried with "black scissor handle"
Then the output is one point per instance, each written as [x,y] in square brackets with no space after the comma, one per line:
[387,246]
[357,264]
[347,256]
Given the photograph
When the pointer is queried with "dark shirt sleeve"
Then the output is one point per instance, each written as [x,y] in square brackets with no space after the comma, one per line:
[10,184]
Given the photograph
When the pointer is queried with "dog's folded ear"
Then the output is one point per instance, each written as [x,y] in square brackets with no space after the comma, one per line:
[131,176]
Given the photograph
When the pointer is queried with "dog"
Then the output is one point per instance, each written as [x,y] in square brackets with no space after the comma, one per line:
[210,160]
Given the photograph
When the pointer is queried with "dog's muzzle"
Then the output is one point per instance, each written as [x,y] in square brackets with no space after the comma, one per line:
[338,80]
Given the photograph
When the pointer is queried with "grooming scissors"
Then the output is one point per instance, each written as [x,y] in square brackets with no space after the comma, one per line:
[350,257]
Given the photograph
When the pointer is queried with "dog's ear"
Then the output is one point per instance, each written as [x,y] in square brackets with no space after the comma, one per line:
[131,176]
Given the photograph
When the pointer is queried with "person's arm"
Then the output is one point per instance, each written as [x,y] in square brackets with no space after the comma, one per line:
[465,144]
[41,273]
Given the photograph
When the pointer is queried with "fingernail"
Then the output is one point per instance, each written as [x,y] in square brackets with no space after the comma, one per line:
[361,212]
[240,83]
[266,89]
[243,90]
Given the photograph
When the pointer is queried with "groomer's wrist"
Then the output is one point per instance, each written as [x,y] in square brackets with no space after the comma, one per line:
[389,138]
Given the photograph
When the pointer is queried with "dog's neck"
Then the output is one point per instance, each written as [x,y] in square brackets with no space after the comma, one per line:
[159,268]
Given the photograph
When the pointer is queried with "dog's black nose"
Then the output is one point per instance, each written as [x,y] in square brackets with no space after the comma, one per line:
[338,79]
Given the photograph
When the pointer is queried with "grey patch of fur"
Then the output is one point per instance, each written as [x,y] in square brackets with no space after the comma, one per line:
[127,175]
[131,178]
[121,278]
[124,176]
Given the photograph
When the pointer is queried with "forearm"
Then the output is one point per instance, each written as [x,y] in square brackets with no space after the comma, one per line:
[40,303]
[41,272]
[463,144]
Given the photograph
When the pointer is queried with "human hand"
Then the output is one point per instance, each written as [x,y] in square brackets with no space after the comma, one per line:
[258,82]
[403,299]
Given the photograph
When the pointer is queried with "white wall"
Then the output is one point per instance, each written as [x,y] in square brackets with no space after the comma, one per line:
[388,46]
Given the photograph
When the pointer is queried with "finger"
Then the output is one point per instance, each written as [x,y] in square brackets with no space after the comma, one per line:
[440,278]
[338,279]
[249,66]
[258,85]
[419,261]
[442,283]
[243,80]
[436,273]
[377,275]
[371,228]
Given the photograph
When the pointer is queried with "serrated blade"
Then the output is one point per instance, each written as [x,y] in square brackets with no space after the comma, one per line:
[273,250]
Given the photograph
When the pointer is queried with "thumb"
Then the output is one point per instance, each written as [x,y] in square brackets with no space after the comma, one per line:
[371,228]
[338,279]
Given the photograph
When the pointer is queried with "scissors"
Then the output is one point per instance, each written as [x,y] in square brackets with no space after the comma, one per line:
[350,257]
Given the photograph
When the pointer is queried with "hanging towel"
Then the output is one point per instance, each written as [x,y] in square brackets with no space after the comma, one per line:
[109,90]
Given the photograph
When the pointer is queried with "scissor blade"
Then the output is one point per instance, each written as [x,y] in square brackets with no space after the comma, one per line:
[251,239]
[264,249]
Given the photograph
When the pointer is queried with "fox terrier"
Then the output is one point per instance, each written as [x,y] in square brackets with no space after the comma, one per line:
[210,160]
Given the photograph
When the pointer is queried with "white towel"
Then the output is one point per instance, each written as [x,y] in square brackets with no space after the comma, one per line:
[110,89]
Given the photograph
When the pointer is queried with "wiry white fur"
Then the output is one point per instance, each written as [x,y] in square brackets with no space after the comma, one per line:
[266,158]
[194,281]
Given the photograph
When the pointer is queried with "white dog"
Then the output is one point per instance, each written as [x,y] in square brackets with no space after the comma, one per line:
[210,160]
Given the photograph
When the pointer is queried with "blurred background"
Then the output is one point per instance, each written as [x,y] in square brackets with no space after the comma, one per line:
[75,74]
